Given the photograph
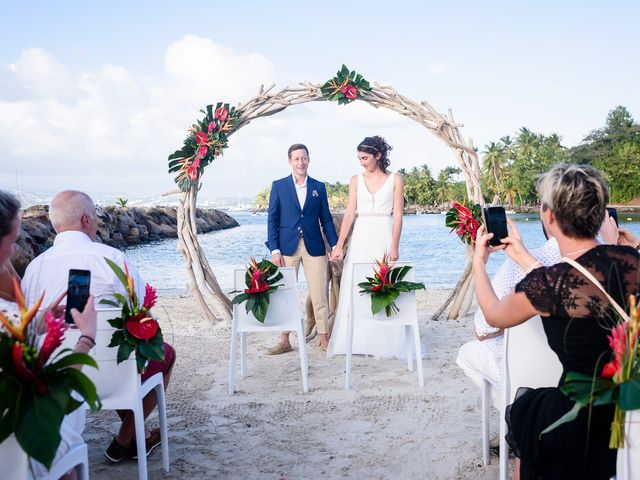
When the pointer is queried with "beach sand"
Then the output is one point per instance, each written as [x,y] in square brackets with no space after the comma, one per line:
[386,427]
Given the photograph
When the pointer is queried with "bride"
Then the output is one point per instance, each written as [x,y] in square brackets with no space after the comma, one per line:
[377,197]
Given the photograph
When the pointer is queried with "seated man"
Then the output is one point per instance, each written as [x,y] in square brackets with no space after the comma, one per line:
[73,216]
[482,358]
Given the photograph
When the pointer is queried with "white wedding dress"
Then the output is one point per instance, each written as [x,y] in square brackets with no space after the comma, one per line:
[370,240]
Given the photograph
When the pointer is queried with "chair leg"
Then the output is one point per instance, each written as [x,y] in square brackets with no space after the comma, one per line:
[347,382]
[486,399]
[138,416]
[83,467]
[233,355]
[243,354]
[504,449]
[407,347]
[418,353]
[302,342]
[164,432]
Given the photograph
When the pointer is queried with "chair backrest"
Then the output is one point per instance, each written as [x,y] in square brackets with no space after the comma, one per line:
[116,384]
[528,361]
[14,460]
[284,304]
[406,302]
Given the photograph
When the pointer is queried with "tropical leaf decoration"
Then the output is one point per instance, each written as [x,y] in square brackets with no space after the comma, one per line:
[386,285]
[206,140]
[260,279]
[345,87]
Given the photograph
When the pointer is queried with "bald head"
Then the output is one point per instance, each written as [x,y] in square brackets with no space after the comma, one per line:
[73,210]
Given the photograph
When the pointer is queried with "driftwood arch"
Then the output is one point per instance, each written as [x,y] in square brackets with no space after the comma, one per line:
[203,283]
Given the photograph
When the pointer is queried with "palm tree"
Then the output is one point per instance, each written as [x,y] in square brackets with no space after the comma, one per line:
[494,162]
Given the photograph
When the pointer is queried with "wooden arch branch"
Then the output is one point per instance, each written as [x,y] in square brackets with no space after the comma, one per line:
[203,283]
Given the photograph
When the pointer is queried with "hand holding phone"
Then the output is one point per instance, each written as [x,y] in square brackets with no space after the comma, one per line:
[496,222]
[613,213]
[77,292]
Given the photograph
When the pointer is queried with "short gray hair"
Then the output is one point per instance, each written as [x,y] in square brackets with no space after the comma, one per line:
[68,207]
[577,195]
[9,208]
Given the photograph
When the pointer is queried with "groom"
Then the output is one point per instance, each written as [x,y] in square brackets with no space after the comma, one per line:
[298,207]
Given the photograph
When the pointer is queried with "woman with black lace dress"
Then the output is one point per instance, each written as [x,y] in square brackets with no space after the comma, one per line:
[577,317]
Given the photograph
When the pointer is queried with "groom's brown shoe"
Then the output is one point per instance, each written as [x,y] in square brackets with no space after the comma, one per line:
[279,348]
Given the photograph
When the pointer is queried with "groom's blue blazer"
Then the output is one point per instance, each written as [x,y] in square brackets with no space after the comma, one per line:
[287,222]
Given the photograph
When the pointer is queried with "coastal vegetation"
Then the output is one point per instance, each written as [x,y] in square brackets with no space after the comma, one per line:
[511,165]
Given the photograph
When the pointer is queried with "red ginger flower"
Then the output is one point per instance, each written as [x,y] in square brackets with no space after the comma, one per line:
[211,127]
[55,334]
[150,297]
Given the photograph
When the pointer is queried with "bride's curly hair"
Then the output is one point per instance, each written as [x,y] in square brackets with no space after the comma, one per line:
[375,145]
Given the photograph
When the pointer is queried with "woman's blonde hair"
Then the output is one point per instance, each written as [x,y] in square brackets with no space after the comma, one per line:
[577,195]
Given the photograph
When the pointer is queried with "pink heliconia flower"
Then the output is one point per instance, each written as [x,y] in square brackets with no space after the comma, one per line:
[150,297]
[55,334]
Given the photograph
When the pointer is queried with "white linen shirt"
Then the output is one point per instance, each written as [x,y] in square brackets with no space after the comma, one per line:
[301,190]
[504,281]
[49,271]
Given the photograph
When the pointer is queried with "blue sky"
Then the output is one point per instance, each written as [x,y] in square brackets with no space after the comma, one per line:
[96,95]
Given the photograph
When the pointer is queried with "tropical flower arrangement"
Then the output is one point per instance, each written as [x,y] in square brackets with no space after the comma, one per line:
[618,382]
[136,329]
[260,279]
[386,285]
[35,389]
[345,87]
[206,141]
[465,221]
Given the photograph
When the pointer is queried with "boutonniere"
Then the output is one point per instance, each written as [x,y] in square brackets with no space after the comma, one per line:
[314,193]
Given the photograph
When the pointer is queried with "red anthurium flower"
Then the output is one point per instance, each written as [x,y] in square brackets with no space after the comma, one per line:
[258,284]
[376,288]
[150,297]
[610,369]
[141,326]
[221,114]
[55,334]
[211,127]
[17,355]
[202,152]
[201,138]
[349,91]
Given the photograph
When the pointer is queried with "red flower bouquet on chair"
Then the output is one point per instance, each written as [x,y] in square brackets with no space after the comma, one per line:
[136,329]
[464,220]
[260,280]
[618,383]
[35,389]
[386,285]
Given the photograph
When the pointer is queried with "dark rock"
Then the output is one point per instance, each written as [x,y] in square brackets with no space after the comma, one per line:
[117,226]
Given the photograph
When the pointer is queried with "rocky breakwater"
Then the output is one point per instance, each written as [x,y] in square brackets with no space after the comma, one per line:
[119,227]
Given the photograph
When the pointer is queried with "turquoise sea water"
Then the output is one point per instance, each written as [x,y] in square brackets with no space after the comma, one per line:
[437,255]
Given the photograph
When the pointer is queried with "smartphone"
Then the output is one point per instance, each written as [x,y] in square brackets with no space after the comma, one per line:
[613,213]
[496,221]
[77,292]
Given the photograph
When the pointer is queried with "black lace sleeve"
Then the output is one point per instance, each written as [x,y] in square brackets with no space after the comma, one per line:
[537,289]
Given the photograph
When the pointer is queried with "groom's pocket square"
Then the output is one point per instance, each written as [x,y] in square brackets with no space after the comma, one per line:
[314,193]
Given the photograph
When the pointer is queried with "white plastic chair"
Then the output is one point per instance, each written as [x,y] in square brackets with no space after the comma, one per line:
[120,388]
[15,463]
[486,404]
[13,460]
[527,361]
[77,456]
[628,463]
[360,314]
[283,315]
